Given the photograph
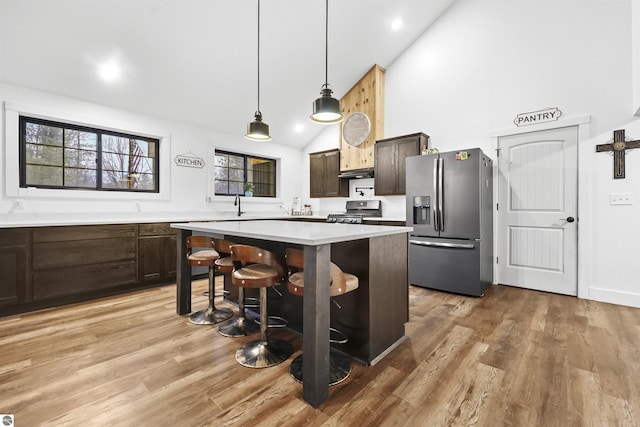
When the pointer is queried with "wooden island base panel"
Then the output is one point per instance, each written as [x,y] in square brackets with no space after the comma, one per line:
[373,316]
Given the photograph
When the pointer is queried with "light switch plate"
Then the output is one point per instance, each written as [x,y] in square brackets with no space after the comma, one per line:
[620,198]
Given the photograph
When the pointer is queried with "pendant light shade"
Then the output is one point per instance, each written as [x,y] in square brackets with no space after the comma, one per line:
[257,130]
[326,109]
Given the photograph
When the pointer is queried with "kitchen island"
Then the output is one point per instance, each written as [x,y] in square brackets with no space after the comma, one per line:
[376,254]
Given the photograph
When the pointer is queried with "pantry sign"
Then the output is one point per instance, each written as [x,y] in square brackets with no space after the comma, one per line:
[540,116]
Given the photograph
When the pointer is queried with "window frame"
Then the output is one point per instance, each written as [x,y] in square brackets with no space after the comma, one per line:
[245,158]
[23,119]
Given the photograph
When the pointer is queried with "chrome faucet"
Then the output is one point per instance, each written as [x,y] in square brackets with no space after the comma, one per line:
[236,202]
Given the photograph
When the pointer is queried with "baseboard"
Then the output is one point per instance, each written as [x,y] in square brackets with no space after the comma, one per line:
[615,297]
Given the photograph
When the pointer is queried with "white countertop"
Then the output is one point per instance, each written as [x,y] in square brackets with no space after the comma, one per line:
[300,232]
[31,219]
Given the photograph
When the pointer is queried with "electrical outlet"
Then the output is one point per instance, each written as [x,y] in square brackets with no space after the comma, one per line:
[620,198]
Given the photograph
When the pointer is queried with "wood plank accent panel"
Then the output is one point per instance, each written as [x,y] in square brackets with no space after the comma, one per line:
[366,96]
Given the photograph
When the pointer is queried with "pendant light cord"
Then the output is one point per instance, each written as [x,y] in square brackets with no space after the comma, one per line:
[326,44]
[258,56]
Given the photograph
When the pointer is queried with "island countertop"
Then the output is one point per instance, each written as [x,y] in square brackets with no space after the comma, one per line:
[304,233]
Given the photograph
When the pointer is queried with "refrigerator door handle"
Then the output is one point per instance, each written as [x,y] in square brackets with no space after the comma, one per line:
[443,245]
[436,216]
[441,193]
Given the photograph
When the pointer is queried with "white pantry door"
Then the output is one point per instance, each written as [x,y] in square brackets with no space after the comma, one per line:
[537,210]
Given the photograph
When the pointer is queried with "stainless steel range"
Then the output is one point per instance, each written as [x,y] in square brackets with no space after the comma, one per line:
[356,211]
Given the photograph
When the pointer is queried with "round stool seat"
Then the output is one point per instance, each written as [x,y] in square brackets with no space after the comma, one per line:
[296,284]
[255,276]
[224,265]
[203,258]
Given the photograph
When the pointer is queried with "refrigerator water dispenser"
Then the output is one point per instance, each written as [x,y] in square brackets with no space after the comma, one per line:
[421,207]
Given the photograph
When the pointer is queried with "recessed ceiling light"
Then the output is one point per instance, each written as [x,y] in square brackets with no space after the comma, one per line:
[109,71]
[396,24]
[298,128]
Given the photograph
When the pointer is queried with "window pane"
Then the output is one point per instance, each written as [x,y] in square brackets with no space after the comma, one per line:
[36,133]
[80,159]
[43,155]
[236,162]
[79,178]
[222,160]
[44,175]
[221,173]
[79,139]
[236,175]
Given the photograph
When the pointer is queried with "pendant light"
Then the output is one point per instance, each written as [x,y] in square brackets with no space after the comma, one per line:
[326,109]
[257,130]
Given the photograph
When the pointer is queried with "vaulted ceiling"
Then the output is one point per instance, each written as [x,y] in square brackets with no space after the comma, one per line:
[195,61]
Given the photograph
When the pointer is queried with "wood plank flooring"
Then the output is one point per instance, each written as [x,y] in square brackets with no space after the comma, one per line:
[511,358]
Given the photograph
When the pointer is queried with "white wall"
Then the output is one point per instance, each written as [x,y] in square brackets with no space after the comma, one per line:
[184,189]
[485,61]
[635,54]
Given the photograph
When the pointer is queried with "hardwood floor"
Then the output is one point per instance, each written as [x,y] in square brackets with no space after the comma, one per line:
[511,358]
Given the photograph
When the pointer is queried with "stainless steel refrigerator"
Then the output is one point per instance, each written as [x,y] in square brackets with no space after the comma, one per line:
[450,207]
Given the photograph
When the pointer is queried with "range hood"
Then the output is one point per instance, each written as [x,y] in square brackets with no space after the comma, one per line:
[357,173]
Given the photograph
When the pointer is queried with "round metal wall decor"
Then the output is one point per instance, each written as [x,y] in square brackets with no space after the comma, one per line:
[356,129]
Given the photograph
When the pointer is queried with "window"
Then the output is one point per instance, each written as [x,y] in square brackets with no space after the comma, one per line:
[65,156]
[233,170]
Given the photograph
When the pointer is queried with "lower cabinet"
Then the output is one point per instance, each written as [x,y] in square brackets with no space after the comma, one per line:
[49,266]
[13,266]
[157,253]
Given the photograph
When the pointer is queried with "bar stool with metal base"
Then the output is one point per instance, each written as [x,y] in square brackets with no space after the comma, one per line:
[206,258]
[259,268]
[340,283]
[241,326]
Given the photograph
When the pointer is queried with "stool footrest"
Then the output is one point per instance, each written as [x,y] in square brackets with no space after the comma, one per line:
[338,337]
[274,322]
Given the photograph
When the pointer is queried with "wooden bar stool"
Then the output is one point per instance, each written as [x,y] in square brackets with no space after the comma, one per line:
[259,268]
[206,258]
[241,326]
[340,283]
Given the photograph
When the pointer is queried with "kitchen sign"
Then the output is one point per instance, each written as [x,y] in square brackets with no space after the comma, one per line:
[540,116]
[189,160]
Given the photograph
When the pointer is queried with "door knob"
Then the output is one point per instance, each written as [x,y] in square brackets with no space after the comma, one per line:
[569,219]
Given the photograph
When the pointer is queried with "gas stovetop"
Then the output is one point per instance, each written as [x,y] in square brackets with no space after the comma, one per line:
[356,211]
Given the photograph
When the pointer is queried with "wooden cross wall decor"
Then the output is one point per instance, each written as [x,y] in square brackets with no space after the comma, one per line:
[618,147]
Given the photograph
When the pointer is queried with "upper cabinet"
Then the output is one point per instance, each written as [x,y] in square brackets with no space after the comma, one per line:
[324,170]
[363,110]
[390,165]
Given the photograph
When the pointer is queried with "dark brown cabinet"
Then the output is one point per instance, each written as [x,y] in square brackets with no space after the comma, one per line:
[13,265]
[324,170]
[157,253]
[390,155]
[49,266]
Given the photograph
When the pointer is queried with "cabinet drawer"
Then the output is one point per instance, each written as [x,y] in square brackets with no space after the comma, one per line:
[82,252]
[156,229]
[66,281]
[82,232]
[13,237]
